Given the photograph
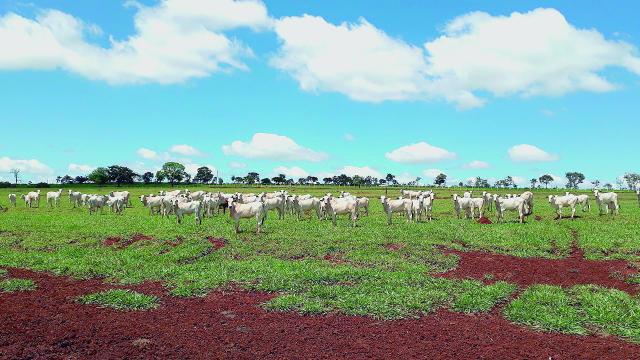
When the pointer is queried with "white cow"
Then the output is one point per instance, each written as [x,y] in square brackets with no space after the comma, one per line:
[488,200]
[75,198]
[427,205]
[96,202]
[153,203]
[509,204]
[478,204]
[339,206]
[391,206]
[301,206]
[122,194]
[278,203]
[410,194]
[608,200]
[116,204]
[32,199]
[464,203]
[53,198]
[239,211]
[559,202]
[182,208]
[528,202]
[12,199]
[582,200]
[197,195]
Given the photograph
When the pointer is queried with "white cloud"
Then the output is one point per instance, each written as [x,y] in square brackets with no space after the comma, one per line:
[31,166]
[80,168]
[174,40]
[295,171]
[520,181]
[522,54]
[363,171]
[357,60]
[432,173]
[349,137]
[405,177]
[477,164]
[530,153]
[186,150]
[237,165]
[147,153]
[272,146]
[419,153]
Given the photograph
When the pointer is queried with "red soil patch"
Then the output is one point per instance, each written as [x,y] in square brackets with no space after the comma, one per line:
[120,243]
[48,323]
[217,243]
[484,220]
[394,247]
[569,271]
[538,218]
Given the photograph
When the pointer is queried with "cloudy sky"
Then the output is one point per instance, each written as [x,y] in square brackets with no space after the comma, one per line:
[321,87]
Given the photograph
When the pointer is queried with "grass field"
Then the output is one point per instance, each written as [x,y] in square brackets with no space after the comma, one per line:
[376,270]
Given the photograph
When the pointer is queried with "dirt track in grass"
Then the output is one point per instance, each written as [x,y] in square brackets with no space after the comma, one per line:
[569,271]
[48,323]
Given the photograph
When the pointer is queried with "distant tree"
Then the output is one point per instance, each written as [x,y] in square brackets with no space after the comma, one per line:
[440,180]
[279,180]
[632,180]
[265,181]
[66,180]
[173,172]
[342,180]
[252,178]
[327,180]
[58,179]
[608,186]
[121,174]
[382,181]
[481,183]
[312,180]
[357,180]
[187,178]
[220,181]
[418,180]
[533,182]
[574,179]
[16,173]
[160,176]
[595,183]
[391,179]
[147,177]
[620,183]
[99,176]
[203,175]
[546,180]
[81,179]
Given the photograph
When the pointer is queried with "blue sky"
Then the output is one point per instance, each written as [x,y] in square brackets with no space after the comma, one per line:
[321,87]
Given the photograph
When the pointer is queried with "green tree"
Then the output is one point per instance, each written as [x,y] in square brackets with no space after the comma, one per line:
[147,177]
[546,180]
[533,181]
[265,181]
[279,180]
[440,180]
[203,175]
[632,180]
[574,179]
[99,176]
[173,172]
[160,176]
[391,179]
[252,178]
[327,180]
[81,179]
[121,174]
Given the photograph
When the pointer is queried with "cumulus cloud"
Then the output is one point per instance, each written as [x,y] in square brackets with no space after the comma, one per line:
[272,146]
[530,153]
[147,153]
[418,153]
[477,164]
[80,168]
[186,150]
[294,171]
[363,171]
[432,173]
[192,168]
[30,166]
[523,54]
[174,40]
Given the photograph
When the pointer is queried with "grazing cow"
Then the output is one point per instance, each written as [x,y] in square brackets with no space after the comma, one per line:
[239,211]
[559,202]
[608,200]
[12,199]
[509,204]
[391,206]
[464,203]
[339,206]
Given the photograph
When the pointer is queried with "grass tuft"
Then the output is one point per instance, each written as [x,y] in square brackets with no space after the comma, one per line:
[15,285]
[121,300]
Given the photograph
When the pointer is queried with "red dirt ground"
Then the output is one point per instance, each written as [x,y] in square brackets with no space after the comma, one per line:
[217,243]
[48,323]
[120,243]
[573,270]
[484,220]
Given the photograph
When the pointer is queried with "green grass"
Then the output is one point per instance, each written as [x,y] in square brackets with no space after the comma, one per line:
[15,285]
[581,310]
[121,300]
[361,276]
[3,273]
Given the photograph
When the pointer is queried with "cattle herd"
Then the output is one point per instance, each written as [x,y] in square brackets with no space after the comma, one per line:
[415,205]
